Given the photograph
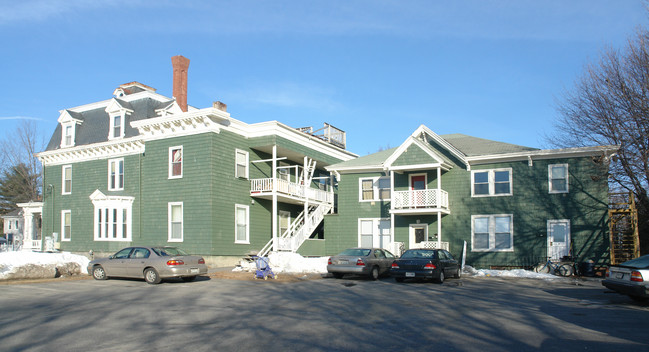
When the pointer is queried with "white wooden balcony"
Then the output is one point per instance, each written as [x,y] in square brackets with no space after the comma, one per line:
[425,201]
[288,192]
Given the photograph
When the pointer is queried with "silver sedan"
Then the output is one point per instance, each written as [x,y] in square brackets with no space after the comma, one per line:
[372,262]
[151,263]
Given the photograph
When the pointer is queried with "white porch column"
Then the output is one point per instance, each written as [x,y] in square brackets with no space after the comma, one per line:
[392,205]
[439,203]
[274,214]
[305,190]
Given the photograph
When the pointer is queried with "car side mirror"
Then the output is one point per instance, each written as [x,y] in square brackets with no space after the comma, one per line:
[111,257]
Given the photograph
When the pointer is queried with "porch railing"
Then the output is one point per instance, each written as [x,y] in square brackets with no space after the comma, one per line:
[431,245]
[263,185]
[425,198]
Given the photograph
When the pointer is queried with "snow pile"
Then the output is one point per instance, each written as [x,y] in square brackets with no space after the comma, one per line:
[36,265]
[470,271]
[284,262]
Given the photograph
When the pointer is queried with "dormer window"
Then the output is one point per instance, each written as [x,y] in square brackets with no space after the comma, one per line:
[69,121]
[116,127]
[69,134]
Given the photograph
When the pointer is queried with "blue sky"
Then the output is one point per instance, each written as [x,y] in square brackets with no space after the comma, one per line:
[375,69]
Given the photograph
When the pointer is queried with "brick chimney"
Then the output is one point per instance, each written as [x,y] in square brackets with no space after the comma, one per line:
[180,65]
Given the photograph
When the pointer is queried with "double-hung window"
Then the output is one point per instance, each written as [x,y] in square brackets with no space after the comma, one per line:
[69,133]
[176,222]
[116,127]
[558,178]
[66,179]
[492,233]
[241,223]
[176,162]
[241,160]
[374,189]
[66,225]
[488,183]
[115,174]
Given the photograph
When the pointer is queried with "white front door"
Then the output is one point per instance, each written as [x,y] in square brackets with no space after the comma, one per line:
[558,238]
[418,234]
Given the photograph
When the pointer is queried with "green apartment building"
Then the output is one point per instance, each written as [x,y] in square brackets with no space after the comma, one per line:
[512,206]
[143,169]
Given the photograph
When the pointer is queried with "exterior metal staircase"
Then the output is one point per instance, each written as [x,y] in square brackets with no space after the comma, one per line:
[299,231]
[623,226]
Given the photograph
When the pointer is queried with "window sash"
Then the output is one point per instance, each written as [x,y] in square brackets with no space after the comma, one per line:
[558,178]
[67,179]
[492,233]
[116,174]
[175,222]
[66,225]
[241,161]
[491,183]
[175,162]
[242,224]
[375,189]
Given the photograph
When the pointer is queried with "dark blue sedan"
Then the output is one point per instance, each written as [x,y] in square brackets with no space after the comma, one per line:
[428,264]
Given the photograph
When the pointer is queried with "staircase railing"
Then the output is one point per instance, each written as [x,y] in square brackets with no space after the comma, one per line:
[299,230]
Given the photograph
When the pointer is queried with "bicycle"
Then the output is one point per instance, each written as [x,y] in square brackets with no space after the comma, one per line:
[550,267]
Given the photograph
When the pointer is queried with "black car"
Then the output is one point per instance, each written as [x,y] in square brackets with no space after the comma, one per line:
[428,264]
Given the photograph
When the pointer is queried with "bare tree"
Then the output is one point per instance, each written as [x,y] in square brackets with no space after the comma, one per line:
[19,149]
[609,105]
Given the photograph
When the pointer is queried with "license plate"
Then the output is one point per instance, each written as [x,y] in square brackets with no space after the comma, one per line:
[619,275]
[410,274]
[193,270]
[343,262]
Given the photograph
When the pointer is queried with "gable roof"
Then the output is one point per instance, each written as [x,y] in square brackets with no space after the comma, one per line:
[474,146]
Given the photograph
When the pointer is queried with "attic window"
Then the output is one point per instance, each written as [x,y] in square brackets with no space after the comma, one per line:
[116,126]
[68,134]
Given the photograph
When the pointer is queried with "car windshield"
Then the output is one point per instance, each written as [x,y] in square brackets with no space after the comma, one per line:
[168,251]
[419,253]
[356,252]
[638,263]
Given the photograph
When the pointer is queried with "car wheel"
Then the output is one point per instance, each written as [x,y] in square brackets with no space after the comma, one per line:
[99,273]
[374,274]
[398,279]
[151,276]
[189,278]
[458,274]
[440,280]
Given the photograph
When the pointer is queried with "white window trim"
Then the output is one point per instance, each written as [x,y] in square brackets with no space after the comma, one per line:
[63,237]
[247,168]
[236,222]
[375,189]
[492,233]
[102,203]
[492,183]
[63,168]
[375,227]
[64,128]
[182,222]
[117,187]
[550,190]
[111,127]
[182,161]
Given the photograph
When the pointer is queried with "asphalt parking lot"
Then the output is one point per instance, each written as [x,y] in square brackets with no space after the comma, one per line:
[320,314]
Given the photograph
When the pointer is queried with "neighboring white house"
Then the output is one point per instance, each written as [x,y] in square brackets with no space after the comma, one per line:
[13,224]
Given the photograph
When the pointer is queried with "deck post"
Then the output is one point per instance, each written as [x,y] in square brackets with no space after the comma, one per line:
[274,215]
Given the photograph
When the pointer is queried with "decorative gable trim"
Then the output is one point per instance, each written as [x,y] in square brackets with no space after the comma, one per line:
[97,151]
[172,109]
[425,133]
[193,122]
[439,161]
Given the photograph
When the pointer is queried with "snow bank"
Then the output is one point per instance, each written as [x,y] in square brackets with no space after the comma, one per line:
[32,265]
[283,262]
[470,271]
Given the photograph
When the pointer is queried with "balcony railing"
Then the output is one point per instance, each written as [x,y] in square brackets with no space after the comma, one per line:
[425,198]
[296,190]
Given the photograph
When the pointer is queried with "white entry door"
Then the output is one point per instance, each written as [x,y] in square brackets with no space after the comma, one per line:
[558,238]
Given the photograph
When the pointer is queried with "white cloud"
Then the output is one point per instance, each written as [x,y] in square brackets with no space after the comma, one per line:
[6,118]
